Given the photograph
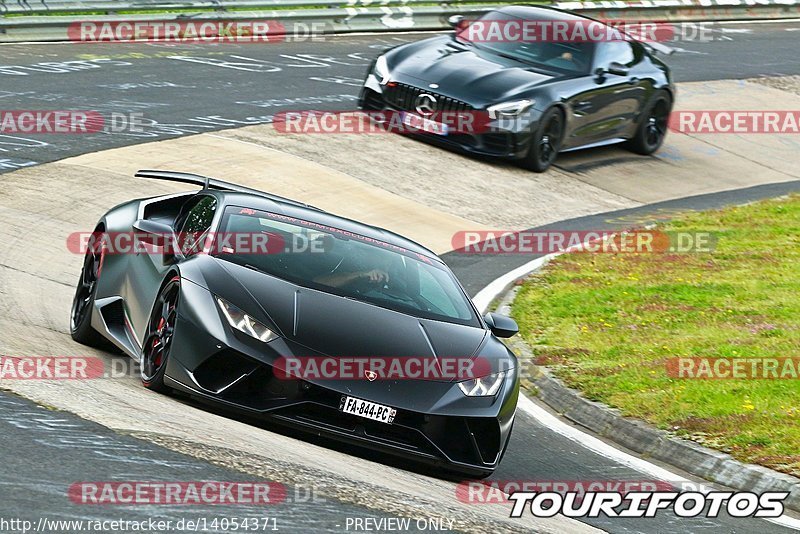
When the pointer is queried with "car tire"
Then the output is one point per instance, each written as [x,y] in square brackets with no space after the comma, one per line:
[160,333]
[545,141]
[80,327]
[652,128]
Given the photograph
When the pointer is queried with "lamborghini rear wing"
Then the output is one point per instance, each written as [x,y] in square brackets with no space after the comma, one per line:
[213,183]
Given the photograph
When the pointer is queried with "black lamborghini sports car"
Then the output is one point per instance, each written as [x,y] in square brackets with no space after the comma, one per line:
[540,96]
[224,323]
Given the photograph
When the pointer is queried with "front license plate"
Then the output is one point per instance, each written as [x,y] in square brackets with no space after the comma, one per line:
[367,409]
[426,125]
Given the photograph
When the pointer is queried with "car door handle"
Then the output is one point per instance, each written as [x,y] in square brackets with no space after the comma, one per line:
[633,80]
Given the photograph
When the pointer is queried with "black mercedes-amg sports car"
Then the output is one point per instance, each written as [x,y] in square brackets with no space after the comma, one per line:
[539,94]
[295,329]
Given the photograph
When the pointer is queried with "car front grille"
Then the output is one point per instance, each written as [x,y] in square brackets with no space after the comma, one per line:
[403,96]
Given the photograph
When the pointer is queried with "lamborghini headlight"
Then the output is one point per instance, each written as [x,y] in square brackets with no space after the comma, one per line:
[244,323]
[381,70]
[509,109]
[486,386]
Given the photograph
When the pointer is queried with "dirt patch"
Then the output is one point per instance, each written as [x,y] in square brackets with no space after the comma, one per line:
[784,83]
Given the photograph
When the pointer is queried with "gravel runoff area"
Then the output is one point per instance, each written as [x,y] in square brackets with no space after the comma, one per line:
[784,83]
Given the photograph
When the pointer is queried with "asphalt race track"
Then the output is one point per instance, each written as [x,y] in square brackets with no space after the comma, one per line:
[192,88]
[68,448]
[188,89]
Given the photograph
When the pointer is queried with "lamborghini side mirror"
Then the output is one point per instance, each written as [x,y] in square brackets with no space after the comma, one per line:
[501,325]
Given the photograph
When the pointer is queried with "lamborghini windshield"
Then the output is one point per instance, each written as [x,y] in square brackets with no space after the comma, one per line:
[341,262]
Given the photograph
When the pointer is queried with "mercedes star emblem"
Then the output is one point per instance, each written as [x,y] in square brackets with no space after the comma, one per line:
[425,104]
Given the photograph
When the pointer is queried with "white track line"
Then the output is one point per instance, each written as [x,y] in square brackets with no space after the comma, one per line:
[495,289]
[602,448]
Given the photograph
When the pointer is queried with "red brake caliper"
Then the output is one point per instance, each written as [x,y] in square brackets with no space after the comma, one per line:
[158,358]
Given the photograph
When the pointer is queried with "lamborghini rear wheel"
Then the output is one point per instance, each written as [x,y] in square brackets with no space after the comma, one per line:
[158,340]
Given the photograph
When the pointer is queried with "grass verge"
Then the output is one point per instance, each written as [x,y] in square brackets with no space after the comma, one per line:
[609,324]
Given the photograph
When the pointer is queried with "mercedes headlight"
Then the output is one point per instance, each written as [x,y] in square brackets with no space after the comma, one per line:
[244,323]
[486,386]
[509,109]
[381,70]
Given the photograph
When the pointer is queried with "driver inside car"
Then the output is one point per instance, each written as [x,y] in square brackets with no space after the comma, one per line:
[325,262]
[377,276]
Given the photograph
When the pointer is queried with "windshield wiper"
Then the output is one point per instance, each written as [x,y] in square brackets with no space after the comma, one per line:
[504,55]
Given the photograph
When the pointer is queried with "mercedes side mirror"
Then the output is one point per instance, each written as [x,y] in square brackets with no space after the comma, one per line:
[501,325]
[455,20]
[617,69]
[599,75]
